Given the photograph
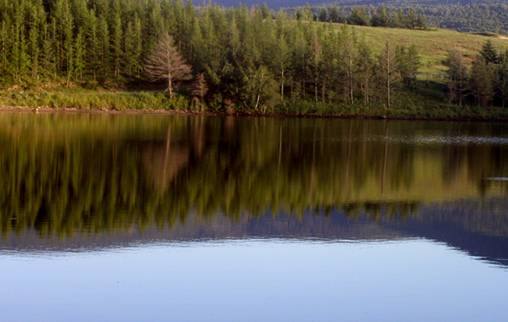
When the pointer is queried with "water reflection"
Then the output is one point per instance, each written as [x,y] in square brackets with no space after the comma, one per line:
[94,181]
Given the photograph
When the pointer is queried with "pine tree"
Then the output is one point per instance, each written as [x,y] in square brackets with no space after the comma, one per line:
[49,54]
[37,18]
[116,40]
[4,47]
[92,45]
[503,79]
[20,56]
[103,70]
[489,53]
[79,56]
[24,56]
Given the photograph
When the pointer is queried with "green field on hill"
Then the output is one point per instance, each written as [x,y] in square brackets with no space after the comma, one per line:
[432,45]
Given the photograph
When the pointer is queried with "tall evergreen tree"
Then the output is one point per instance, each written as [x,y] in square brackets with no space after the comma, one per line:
[116,39]
[489,53]
[503,79]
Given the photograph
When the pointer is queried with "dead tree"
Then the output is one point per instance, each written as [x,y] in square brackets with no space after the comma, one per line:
[166,63]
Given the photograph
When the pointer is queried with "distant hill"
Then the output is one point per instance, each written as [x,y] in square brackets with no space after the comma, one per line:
[276,4]
[462,15]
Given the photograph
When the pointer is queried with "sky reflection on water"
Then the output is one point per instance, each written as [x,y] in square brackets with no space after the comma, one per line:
[409,280]
[151,218]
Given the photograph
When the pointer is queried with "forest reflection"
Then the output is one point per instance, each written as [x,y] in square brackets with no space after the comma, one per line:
[66,174]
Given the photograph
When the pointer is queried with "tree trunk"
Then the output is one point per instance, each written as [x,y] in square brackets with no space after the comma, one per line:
[170,86]
[388,79]
[323,92]
[366,93]
[282,85]
[351,81]
[316,89]
[388,93]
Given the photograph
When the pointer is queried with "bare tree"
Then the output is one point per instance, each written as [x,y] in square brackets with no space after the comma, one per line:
[387,69]
[166,63]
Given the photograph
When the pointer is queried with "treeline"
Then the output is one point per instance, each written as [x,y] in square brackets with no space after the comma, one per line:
[462,15]
[484,83]
[245,58]
[470,17]
[488,16]
[372,16]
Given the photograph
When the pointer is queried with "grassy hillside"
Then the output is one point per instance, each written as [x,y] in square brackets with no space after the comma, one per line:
[431,44]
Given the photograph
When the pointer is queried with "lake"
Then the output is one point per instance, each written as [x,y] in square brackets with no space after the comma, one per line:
[193,218]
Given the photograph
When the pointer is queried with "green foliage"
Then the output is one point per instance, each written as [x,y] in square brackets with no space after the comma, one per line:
[359,16]
[488,77]
[457,74]
[408,62]
[488,53]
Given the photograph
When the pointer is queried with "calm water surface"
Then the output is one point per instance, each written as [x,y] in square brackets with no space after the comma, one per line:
[158,218]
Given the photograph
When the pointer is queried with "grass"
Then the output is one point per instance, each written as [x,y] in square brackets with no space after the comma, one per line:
[87,99]
[406,105]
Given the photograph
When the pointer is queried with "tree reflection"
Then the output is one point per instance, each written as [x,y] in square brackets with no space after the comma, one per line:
[61,174]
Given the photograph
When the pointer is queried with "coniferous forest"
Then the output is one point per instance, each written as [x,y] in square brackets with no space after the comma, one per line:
[178,55]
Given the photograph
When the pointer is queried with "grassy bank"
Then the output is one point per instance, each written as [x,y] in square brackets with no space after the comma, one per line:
[89,99]
[407,105]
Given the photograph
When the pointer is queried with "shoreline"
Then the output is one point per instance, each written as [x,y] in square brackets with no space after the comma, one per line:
[183,112]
